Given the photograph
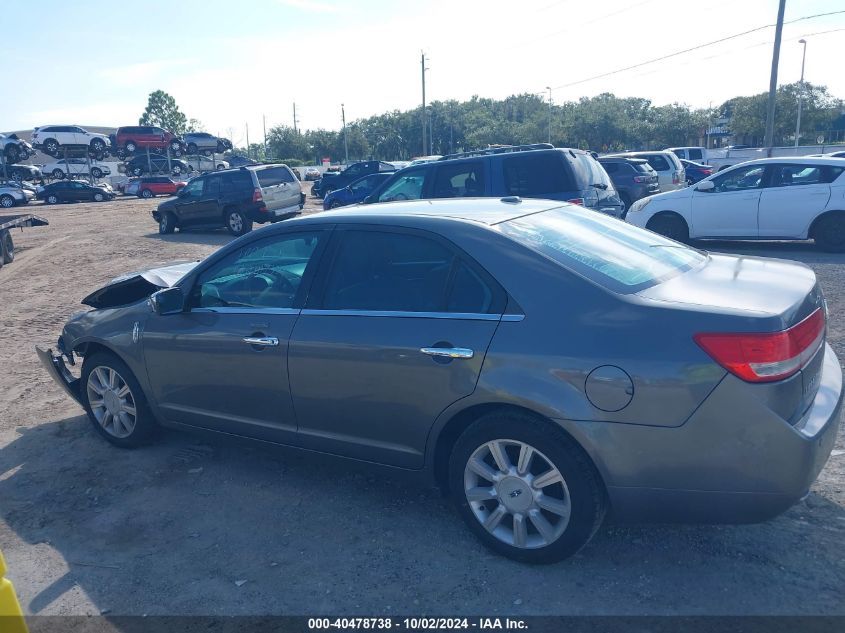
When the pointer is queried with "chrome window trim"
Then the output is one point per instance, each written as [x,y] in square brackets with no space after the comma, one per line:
[467,316]
[243,310]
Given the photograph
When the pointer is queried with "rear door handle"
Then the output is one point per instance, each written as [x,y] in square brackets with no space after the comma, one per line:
[262,341]
[448,352]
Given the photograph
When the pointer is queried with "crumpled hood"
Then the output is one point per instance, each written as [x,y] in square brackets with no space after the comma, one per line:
[132,287]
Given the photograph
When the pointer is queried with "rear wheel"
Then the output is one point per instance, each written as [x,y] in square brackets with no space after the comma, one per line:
[207,153]
[146,193]
[137,171]
[58,174]
[236,222]
[192,148]
[52,199]
[7,246]
[166,223]
[51,147]
[829,234]
[130,147]
[13,154]
[98,197]
[7,201]
[177,170]
[114,401]
[669,225]
[525,488]
[334,204]
[97,172]
[98,146]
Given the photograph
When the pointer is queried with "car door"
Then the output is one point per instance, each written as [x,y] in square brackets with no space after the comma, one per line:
[187,205]
[395,331]
[794,195]
[221,364]
[730,208]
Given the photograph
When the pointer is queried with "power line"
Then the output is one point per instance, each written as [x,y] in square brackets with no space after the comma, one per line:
[689,50]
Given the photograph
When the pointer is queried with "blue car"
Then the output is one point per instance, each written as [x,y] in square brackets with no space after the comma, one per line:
[356,191]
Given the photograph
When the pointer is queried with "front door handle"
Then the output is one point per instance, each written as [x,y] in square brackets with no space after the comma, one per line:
[262,341]
[448,352]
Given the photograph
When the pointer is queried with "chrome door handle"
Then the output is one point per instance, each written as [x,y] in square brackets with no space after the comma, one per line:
[262,341]
[448,352]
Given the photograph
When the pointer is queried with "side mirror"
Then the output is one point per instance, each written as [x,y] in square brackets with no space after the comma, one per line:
[707,185]
[167,301]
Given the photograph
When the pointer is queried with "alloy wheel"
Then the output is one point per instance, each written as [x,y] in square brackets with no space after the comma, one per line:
[517,494]
[111,402]
[7,202]
[236,222]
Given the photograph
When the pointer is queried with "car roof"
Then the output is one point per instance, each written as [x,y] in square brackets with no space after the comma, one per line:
[487,211]
[624,159]
[642,153]
[797,160]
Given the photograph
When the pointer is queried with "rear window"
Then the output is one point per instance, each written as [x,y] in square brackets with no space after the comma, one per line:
[273,176]
[588,171]
[535,176]
[658,162]
[614,254]
[643,167]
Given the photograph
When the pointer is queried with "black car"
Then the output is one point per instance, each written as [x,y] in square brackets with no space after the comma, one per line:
[22,172]
[523,171]
[73,191]
[140,165]
[331,180]
[234,198]
[633,178]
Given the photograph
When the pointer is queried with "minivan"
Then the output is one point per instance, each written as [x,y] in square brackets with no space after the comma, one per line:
[527,171]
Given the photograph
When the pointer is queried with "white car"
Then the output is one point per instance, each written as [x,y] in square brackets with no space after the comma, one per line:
[207,164]
[74,166]
[767,199]
[52,139]
[670,171]
[11,195]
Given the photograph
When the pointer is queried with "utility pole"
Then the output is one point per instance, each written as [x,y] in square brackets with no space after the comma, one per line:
[451,147]
[550,113]
[800,93]
[422,65]
[345,144]
[431,130]
[294,118]
[264,126]
[773,80]
[248,155]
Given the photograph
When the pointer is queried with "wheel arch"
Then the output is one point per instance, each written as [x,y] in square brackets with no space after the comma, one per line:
[459,421]
[811,232]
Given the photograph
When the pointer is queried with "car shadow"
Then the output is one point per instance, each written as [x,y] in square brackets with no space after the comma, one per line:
[195,236]
[205,525]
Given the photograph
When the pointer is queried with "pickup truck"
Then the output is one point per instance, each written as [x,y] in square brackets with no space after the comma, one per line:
[7,246]
[720,159]
[331,181]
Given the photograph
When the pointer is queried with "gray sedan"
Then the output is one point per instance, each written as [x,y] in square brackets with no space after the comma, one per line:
[543,363]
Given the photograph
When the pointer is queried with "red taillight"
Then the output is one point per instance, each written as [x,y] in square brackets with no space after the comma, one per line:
[706,172]
[758,357]
[577,201]
[256,195]
[643,178]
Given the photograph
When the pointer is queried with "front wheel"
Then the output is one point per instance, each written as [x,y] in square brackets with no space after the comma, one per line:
[7,201]
[830,234]
[131,147]
[166,223]
[146,193]
[58,174]
[525,488]
[13,154]
[137,171]
[669,225]
[237,223]
[97,172]
[52,199]
[97,146]
[98,197]
[192,148]
[177,170]
[114,401]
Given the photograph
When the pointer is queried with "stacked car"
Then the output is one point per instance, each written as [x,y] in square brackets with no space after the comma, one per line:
[56,140]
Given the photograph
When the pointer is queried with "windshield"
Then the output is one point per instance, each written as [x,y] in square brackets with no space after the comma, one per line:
[619,256]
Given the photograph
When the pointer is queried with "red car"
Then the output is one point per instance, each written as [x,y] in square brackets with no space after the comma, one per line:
[150,186]
[134,138]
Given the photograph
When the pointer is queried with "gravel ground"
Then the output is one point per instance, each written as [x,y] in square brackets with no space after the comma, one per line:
[197,525]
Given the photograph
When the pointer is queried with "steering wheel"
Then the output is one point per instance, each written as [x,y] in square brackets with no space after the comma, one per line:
[285,284]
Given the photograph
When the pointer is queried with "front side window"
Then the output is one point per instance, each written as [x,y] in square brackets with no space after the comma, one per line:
[265,273]
[619,256]
[407,186]
[739,179]
[460,180]
[536,176]
[193,189]
[364,185]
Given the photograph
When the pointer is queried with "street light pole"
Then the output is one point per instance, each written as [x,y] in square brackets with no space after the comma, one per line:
[345,145]
[550,113]
[800,93]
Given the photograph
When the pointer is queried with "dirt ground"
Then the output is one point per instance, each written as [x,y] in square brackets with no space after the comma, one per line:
[198,525]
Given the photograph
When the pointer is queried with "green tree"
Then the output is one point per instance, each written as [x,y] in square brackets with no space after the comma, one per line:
[162,111]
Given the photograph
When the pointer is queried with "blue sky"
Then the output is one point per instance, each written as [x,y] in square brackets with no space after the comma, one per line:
[230,63]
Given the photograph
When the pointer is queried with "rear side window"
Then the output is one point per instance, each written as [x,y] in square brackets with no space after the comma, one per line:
[658,162]
[611,168]
[588,172]
[273,176]
[643,167]
[621,257]
[695,154]
[794,175]
[235,181]
[459,180]
[535,176]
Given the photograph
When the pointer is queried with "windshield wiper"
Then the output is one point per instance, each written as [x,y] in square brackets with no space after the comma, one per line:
[600,185]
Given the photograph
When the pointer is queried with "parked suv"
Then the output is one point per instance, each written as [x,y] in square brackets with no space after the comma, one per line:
[14,149]
[52,139]
[156,164]
[234,198]
[633,178]
[132,138]
[526,171]
[151,186]
[205,143]
[331,181]
[666,164]
[75,167]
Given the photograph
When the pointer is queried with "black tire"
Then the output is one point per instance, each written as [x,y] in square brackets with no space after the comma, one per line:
[7,201]
[98,197]
[52,199]
[220,148]
[146,193]
[192,148]
[177,170]
[582,489]
[175,148]
[144,426]
[166,223]
[669,225]
[137,171]
[7,246]
[58,174]
[829,233]
[51,147]
[97,172]
[207,153]
[13,154]
[236,222]
[130,147]
[97,146]
[334,204]
[121,154]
